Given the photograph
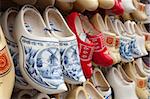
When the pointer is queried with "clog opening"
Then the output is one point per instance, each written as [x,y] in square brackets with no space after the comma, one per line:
[123,28]
[109,24]
[140,73]
[92,92]
[137,29]
[81,95]
[78,26]
[101,81]
[34,23]
[120,28]
[143,27]
[129,27]
[44,98]
[119,79]
[10,25]
[26,96]
[124,75]
[79,30]
[57,24]
[101,22]
[87,26]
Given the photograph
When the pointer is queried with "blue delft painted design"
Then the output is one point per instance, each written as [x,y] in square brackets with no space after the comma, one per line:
[42,62]
[53,28]
[125,49]
[69,57]
[109,96]
[70,60]
[13,48]
[134,49]
[148,84]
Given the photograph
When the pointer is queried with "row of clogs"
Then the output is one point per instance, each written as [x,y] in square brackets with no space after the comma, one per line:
[121,78]
[41,4]
[126,8]
[46,56]
[41,59]
[141,14]
[133,78]
[124,42]
[126,77]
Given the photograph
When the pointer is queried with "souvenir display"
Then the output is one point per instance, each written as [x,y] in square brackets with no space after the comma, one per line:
[75,49]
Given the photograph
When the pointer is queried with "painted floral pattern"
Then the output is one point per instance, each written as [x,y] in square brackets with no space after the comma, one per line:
[148,85]
[125,49]
[134,49]
[69,57]
[13,48]
[109,96]
[70,60]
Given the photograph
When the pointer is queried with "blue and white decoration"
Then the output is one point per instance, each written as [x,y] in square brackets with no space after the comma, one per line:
[148,83]
[109,96]
[125,50]
[134,49]
[69,57]
[70,60]
[42,62]
[13,48]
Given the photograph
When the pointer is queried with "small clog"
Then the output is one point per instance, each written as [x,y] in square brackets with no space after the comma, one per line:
[120,86]
[140,37]
[125,42]
[101,84]
[109,38]
[92,91]
[97,39]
